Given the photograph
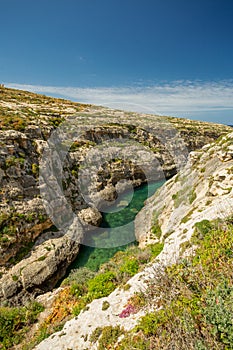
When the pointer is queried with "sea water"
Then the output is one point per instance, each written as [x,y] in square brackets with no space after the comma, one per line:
[119,218]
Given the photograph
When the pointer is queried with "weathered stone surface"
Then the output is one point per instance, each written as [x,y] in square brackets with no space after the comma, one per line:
[41,270]
[91,216]
[202,190]
[22,224]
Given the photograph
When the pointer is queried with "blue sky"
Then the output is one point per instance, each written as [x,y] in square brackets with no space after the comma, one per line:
[162,56]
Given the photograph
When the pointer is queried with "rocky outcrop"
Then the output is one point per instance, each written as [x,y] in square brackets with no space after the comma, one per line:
[203,190]
[90,216]
[22,214]
[36,274]
[42,268]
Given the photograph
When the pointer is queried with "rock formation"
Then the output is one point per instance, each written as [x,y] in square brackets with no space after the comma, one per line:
[115,145]
[202,190]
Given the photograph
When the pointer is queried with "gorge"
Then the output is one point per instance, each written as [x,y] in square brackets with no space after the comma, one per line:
[61,164]
[122,212]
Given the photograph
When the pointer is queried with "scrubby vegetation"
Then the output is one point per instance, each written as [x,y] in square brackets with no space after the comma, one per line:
[9,223]
[108,335]
[33,109]
[15,322]
[194,297]
[83,285]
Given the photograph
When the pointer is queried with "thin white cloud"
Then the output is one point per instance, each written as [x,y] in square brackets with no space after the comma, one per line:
[175,98]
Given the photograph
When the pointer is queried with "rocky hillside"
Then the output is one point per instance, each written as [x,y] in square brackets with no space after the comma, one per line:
[185,206]
[104,147]
[34,255]
[202,190]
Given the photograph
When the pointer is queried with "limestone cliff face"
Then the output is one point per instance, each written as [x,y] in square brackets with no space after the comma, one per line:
[27,122]
[203,189]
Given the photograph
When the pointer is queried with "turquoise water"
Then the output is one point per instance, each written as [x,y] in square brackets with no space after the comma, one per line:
[117,224]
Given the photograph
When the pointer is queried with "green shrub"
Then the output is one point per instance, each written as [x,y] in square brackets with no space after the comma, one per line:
[218,313]
[56,120]
[156,249]
[9,230]
[130,267]
[135,342]
[109,335]
[12,122]
[15,322]
[3,218]
[77,289]
[202,228]
[24,250]
[41,258]
[81,275]
[35,169]
[102,285]
[42,334]
[105,305]
[152,321]
[95,334]
[187,217]
[192,196]
[15,278]
[175,196]
[80,306]
[156,229]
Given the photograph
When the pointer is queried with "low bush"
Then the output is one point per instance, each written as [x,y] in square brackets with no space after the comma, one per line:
[192,196]
[105,305]
[156,229]
[81,275]
[102,285]
[130,267]
[105,336]
[77,289]
[109,335]
[15,322]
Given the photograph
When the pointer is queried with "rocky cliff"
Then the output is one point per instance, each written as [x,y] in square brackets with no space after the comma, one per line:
[34,253]
[200,193]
